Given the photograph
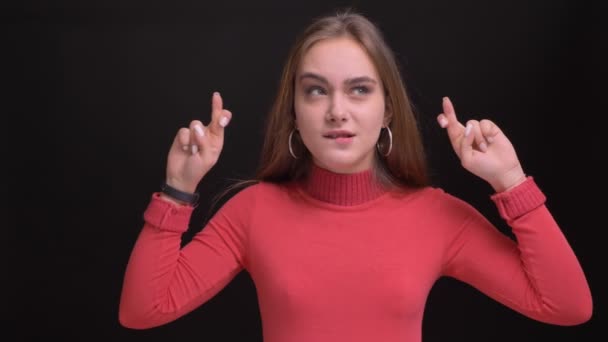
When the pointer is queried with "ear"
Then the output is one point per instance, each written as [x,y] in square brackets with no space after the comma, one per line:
[388,114]
[295,119]
[387,120]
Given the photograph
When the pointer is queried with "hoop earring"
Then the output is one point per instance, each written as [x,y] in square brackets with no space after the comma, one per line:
[289,144]
[390,142]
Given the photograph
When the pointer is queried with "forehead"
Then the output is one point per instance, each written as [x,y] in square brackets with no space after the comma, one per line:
[338,59]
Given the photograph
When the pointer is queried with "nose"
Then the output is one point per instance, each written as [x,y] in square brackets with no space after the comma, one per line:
[337,109]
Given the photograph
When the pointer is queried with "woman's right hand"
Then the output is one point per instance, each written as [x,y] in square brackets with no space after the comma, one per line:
[196,149]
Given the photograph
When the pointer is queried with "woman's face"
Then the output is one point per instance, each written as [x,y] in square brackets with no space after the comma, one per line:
[339,105]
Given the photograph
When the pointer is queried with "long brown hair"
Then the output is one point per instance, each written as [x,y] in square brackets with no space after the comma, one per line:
[404,167]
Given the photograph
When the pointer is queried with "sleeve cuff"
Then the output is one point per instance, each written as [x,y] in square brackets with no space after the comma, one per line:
[167,216]
[520,200]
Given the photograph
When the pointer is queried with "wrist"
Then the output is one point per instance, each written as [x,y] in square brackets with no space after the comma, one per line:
[510,180]
[516,183]
[172,200]
[178,196]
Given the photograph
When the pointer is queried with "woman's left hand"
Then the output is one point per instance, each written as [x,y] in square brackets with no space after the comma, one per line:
[483,149]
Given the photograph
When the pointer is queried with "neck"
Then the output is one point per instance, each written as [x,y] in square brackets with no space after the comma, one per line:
[342,189]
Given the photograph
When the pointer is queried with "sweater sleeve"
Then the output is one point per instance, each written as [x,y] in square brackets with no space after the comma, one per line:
[537,274]
[163,281]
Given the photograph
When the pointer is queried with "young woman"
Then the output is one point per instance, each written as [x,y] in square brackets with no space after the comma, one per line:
[341,232]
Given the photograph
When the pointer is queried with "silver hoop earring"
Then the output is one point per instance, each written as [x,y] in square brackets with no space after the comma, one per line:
[390,142]
[289,144]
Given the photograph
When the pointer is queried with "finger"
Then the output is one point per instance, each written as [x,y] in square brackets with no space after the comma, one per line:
[182,139]
[478,138]
[226,117]
[454,127]
[196,136]
[442,120]
[219,116]
[466,145]
[489,130]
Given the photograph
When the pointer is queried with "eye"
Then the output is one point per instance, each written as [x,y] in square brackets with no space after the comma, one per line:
[315,91]
[360,90]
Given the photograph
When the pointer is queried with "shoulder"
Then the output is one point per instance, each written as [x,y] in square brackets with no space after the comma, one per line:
[257,191]
[430,195]
[440,203]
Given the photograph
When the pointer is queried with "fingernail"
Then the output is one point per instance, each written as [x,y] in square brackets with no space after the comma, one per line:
[185,147]
[223,121]
[483,147]
[216,93]
[467,130]
[443,122]
[199,130]
[194,149]
[490,139]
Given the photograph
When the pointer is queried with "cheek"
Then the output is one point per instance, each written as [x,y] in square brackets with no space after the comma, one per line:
[308,115]
[300,110]
[307,129]
[374,117]
[304,123]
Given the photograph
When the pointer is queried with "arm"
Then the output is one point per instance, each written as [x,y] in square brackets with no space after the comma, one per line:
[537,275]
[163,282]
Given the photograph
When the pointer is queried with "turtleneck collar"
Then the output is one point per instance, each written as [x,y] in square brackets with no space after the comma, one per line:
[342,189]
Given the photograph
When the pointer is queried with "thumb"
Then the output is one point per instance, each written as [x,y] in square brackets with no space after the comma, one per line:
[489,130]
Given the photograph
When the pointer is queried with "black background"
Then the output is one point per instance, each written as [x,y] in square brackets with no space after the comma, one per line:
[97,90]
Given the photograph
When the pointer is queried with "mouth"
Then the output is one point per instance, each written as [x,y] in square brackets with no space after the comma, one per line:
[338,135]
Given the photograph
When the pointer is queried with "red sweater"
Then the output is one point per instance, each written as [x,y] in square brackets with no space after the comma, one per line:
[338,259]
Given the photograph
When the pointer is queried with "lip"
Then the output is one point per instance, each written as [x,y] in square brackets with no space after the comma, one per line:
[338,134]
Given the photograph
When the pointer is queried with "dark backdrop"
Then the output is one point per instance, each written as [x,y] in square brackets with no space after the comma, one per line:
[100,89]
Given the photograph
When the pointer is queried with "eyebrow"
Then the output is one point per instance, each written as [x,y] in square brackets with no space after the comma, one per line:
[354,80]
